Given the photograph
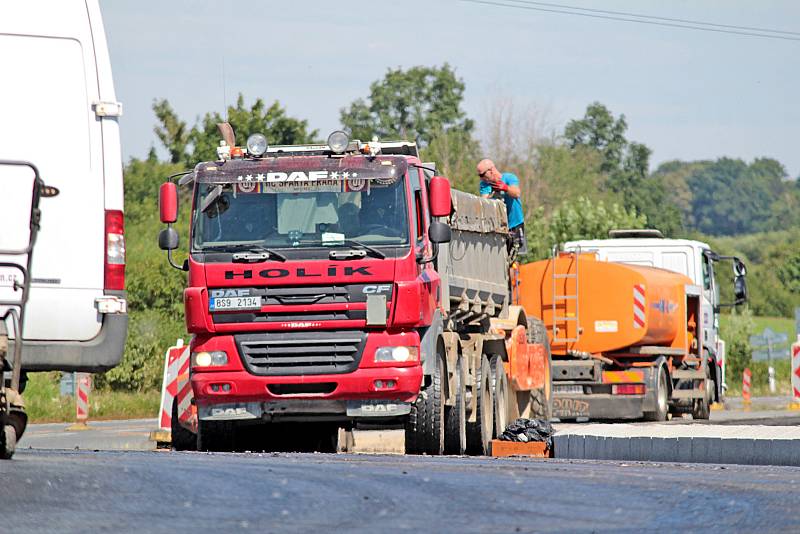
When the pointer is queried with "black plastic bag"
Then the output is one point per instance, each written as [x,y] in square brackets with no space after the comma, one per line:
[526,430]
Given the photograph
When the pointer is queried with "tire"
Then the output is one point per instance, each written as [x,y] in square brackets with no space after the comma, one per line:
[701,408]
[425,424]
[542,398]
[501,392]
[327,439]
[479,433]
[662,397]
[182,439]
[215,436]
[8,442]
[455,431]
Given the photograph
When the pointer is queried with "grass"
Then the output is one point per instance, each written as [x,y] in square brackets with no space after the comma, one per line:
[776,324]
[45,405]
[760,381]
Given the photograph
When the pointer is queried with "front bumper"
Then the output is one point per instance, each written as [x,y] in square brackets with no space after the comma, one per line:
[233,393]
[598,406]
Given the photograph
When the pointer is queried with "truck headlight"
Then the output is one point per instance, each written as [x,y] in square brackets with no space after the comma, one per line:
[209,359]
[397,354]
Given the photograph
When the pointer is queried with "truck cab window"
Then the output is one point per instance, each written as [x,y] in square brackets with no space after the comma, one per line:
[419,212]
[708,271]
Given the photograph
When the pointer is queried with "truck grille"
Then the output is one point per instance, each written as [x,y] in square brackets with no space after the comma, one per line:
[301,353]
[299,315]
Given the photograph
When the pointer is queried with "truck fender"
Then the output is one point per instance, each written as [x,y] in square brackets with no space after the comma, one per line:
[516,316]
[428,338]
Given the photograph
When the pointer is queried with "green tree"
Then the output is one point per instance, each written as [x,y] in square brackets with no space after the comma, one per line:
[415,104]
[599,130]
[170,130]
[456,154]
[736,332]
[273,121]
[729,197]
[626,164]
[577,219]
[155,290]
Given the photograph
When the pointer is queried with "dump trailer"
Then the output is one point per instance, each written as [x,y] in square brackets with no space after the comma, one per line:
[344,286]
[626,340]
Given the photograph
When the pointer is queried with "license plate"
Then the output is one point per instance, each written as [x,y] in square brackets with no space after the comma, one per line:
[234,303]
[571,389]
[377,408]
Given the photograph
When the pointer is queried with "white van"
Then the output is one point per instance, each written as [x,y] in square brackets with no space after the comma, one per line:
[59,112]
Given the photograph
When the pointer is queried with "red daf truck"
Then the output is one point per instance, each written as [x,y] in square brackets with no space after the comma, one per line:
[345,285]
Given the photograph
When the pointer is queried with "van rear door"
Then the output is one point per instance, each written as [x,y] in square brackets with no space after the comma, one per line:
[46,97]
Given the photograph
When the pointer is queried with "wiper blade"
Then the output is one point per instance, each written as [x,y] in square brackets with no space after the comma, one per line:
[353,243]
[247,247]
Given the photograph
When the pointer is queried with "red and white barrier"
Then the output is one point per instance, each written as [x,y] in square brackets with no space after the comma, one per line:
[796,371]
[187,411]
[83,384]
[169,388]
[747,377]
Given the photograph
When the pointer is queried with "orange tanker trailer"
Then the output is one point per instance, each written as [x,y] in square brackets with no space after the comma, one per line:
[623,337]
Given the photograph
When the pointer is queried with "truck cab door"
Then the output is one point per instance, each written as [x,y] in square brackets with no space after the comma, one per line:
[710,312]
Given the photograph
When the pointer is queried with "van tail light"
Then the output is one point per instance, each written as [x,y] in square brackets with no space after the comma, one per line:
[115,251]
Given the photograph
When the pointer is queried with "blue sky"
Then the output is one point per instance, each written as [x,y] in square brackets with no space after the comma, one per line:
[686,94]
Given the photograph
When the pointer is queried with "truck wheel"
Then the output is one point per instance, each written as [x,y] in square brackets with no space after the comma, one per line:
[455,432]
[425,423]
[501,403]
[182,439]
[479,433]
[8,442]
[215,436]
[701,408]
[662,398]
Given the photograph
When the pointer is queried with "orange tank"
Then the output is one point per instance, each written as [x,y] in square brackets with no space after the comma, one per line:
[598,307]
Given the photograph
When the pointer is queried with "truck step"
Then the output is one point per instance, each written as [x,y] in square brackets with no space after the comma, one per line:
[565,297]
[688,373]
[688,393]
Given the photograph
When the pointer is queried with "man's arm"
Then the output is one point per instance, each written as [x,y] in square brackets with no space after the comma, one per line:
[512,185]
[485,189]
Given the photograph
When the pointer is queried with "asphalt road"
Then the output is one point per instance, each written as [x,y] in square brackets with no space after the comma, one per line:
[80,491]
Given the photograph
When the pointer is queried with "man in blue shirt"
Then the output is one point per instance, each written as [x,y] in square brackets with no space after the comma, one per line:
[505,186]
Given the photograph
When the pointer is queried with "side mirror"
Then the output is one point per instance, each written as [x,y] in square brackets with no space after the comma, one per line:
[739,268]
[439,232]
[168,239]
[168,203]
[439,196]
[740,289]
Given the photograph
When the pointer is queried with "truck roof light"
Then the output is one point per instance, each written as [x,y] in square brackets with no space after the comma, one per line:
[373,148]
[257,145]
[338,141]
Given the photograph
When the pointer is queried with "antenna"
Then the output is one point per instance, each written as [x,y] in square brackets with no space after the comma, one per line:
[224,95]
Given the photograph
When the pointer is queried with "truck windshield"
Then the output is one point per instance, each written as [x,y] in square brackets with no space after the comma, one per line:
[307,214]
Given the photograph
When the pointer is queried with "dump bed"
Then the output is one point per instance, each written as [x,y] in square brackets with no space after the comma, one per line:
[474,265]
